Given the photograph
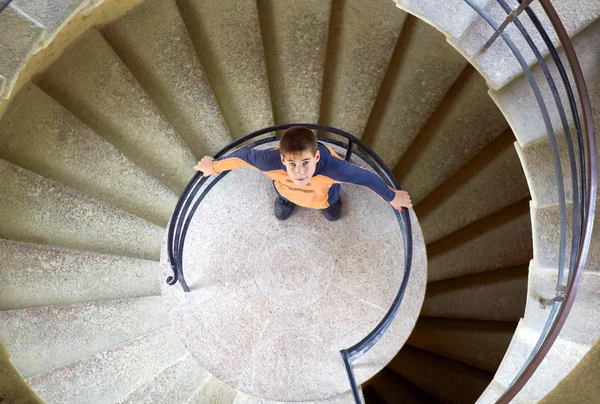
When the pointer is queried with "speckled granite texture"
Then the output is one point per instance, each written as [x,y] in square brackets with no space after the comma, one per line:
[272,303]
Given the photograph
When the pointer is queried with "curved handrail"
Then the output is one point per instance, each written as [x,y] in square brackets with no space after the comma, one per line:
[185,210]
[4,4]
[583,180]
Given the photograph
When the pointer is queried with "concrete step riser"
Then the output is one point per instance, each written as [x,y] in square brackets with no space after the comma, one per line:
[75,332]
[360,30]
[120,110]
[152,40]
[295,39]
[37,210]
[69,276]
[110,375]
[227,38]
[40,135]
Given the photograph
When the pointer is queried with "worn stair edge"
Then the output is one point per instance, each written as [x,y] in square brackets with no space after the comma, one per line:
[108,376]
[175,384]
[359,30]
[153,41]
[560,360]
[498,295]
[295,41]
[76,331]
[447,380]
[20,36]
[120,111]
[501,240]
[69,276]
[37,210]
[422,64]
[486,184]
[38,134]
[463,124]
[227,38]
[212,391]
[517,102]
[481,344]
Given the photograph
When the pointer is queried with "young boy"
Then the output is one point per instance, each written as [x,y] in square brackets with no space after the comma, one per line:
[305,173]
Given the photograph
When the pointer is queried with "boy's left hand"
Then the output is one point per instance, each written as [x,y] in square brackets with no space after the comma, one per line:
[402,199]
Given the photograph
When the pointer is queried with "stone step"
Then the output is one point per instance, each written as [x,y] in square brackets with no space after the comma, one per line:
[394,389]
[76,332]
[346,398]
[366,31]
[493,392]
[38,134]
[498,64]
[152,40]
[213,391]
[108,376]
[546,236]
[517,102]
[451,17]
[492,295]
[69,276]
[175,384]
[422,70]
[51,14]
[12,387]
[501,240]
[21,36]
[583,324]
[447,380]
[295,40]
[486,184]
[37,210]
[227,38]
[462,125]
[560,360]
[120,110]
[481,344]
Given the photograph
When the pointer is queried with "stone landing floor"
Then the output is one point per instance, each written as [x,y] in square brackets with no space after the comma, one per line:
[272,303]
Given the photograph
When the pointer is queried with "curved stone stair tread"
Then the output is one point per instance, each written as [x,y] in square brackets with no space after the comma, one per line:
[447,380]
[517,101]
[20,38]
[152,40]
[51,14]
[46,338]
[464,123]
[38,134]
[497,295]
[501,240]
[436,14]
[394,389]
[481,344]
[175,384]
[110,375]
[560,360]
[37,210]
[213,391]
[120,110]
[69,276]
[360,30]
[486,184]
[494,391]
[345,398]
[422,69]
[295,40]
[227,38]
[497,64]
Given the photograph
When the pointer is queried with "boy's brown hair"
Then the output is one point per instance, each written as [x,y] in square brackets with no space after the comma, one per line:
[296,140]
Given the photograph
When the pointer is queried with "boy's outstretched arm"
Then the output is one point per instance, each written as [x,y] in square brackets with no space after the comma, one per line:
[262,160]
[344,171]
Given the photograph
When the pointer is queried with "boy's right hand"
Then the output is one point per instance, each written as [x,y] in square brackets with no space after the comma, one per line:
[204,166]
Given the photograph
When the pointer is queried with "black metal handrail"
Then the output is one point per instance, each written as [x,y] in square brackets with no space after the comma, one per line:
[582,166]
[4,4]
[189,202]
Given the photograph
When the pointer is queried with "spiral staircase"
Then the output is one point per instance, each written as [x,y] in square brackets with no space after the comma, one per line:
[108,104]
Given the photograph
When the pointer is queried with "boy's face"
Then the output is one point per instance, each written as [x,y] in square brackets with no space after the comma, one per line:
[301,167]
